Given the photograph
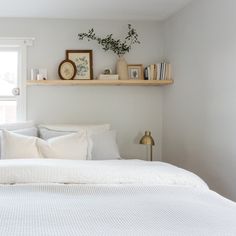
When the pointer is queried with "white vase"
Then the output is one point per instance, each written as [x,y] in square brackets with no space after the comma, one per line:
[122,68]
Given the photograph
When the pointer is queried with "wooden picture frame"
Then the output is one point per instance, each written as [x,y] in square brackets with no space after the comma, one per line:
[67,70]
[83,60]
[135,71]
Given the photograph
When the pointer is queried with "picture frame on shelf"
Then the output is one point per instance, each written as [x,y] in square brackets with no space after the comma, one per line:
[83,60]
[67,70]
[135,71]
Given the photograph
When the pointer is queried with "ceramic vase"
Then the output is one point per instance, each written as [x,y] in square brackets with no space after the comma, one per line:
[122,68]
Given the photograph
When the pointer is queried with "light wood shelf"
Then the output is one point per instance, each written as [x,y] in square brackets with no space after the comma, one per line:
[99,82]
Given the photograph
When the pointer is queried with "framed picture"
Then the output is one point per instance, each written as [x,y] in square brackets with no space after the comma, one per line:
[83,60]
[135,71]
[67,70]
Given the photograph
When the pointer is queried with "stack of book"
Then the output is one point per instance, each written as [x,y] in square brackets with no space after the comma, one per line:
[108,77]
[160,71]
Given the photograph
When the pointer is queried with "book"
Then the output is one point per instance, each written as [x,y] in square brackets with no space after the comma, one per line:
[152,72]
[155,72]
[169,72]
[149,72]
[159,71]
[164,71]
[145,73]
[108,77]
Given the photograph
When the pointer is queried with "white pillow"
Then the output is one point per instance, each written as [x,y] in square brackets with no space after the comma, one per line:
[105,146]
[45,134]
[17,146]
[33,131]
[49,131]
[70,146]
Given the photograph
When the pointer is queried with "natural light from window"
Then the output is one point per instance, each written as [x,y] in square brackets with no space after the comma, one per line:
[8,81]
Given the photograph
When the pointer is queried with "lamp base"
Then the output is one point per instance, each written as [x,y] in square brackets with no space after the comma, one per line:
[149,152]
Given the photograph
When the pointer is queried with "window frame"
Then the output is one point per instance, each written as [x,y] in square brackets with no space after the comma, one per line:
[21,44]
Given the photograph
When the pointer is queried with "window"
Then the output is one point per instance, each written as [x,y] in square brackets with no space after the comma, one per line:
[13,79]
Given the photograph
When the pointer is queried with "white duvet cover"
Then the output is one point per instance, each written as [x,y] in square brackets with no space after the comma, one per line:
[95,172]
[118,197]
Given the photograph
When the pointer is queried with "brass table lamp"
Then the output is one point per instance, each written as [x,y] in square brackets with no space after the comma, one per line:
[148,140]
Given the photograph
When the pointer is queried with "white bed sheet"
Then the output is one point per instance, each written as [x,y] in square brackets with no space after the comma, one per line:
[164,200]
[61,210]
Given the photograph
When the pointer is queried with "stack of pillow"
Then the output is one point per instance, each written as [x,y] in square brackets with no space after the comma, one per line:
[78,142]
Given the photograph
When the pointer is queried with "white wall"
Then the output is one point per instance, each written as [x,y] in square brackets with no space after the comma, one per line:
[200,108]
[130,110]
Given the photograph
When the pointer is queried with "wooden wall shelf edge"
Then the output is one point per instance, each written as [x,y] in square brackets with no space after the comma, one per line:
[99,82]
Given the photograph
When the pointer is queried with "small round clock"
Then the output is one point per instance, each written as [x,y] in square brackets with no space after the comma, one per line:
[67,70]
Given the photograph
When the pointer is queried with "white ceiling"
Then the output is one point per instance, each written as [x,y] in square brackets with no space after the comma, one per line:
[92,9]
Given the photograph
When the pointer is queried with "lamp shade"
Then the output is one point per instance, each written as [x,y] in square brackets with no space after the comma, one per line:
[147,139]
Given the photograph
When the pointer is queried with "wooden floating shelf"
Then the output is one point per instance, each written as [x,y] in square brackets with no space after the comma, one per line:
[99,82]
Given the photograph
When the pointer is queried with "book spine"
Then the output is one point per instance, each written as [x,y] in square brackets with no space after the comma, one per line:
[165,70]
[155,72]
[149,72]
[152,72]
[161,73]
[145,73]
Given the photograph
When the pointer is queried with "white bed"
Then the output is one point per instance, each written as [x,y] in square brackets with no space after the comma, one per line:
[118,197]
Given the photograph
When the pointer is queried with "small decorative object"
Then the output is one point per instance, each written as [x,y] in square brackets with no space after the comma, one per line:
[34,73]
[83,60]
[119,47]
[135,71]
[149,142]
[38,74]
[67,70]
[43,73]
[40,77]
[107,72]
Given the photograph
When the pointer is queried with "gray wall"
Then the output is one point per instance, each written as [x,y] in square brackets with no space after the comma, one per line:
[200,108]
[130,110]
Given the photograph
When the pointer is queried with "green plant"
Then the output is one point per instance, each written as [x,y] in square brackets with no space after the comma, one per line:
[109,43]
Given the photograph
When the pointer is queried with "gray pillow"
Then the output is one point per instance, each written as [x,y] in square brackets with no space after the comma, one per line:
[105,146]
[27,132]
[45,133]
[33,131]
